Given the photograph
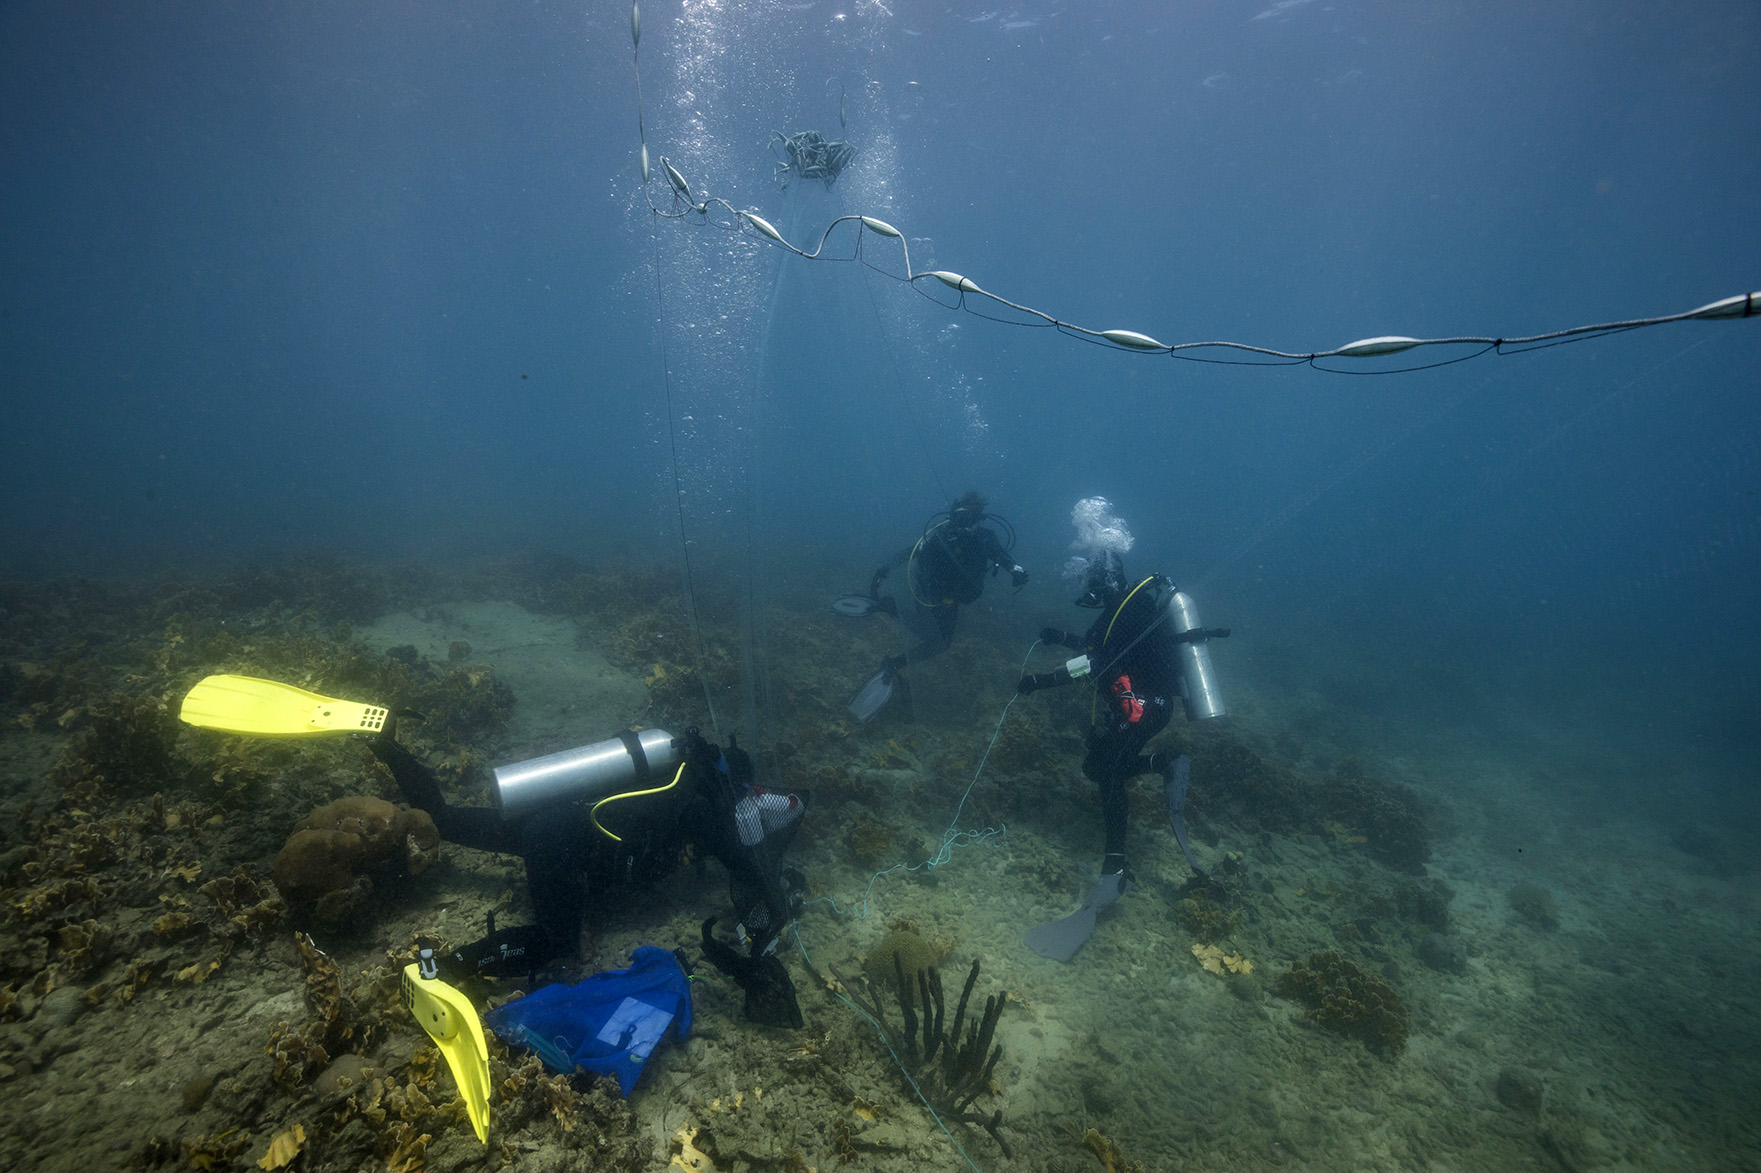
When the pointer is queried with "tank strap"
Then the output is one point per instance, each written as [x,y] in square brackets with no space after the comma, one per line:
[638,755]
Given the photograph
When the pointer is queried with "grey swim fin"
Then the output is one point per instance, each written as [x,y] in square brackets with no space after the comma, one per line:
[1176,790]
[874,695]
[1060,939]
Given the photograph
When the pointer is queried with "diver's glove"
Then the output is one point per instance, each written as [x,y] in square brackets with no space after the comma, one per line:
[1056,678]
[1051,635]
[1018,575]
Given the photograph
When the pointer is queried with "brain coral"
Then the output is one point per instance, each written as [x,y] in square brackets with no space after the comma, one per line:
[327,868]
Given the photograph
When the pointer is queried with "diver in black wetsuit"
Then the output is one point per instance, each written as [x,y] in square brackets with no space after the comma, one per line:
[944,570]
[574,852]
[1133,653]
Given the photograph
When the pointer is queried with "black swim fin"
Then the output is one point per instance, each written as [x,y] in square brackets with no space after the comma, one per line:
[770,992]
[517,951]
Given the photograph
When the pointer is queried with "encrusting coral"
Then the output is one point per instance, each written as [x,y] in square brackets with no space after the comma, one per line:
[1343,998]
[1205,916]
[1391,818]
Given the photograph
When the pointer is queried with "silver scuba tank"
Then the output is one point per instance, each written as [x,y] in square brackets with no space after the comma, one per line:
[587,771]
[1199,690]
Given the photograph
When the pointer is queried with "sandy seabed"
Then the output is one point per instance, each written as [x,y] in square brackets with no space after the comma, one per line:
[1605,1018]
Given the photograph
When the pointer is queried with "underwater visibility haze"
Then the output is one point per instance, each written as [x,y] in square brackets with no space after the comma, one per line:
[528,374]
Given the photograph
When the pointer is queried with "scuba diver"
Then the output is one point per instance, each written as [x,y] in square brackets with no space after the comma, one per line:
[616,814]
[943,570]
[1144,650]
[587,821]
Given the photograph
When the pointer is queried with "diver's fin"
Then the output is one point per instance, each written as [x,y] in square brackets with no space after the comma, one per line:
[856,606]
[268,708]
[1060,939]
[874,695]
[770,992]
[1176,791]
[452,1022]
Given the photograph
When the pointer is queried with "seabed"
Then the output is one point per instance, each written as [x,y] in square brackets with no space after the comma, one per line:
[1416,951]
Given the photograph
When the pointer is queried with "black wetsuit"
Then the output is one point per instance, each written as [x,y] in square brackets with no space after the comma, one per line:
[568,858]
[1132,642]
[944,570]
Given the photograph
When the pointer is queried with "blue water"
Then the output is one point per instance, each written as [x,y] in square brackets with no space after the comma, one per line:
[384,280]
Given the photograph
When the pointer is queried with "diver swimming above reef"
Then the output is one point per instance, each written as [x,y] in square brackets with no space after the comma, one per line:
[944,569]
[1146,648]
[808,155]
[588,822]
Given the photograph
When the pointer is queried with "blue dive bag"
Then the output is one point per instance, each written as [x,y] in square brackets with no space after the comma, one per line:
[608,1024]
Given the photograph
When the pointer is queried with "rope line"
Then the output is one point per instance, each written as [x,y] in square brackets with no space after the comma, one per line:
[719,213]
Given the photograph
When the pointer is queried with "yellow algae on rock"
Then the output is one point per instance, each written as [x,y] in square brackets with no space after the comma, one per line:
[1218,962]
[1343,835]
[686,1154]
[284,1148]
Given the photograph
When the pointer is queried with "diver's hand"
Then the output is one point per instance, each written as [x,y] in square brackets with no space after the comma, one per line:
[1034,681]
[1051,635]
[1018,575]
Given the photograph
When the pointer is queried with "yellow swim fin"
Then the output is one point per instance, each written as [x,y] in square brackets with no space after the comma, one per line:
[452,1022]
[268,708]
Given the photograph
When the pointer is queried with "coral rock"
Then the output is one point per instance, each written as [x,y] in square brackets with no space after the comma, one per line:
[1521,1091]
[1443,953]
[328,866]
[1343,998]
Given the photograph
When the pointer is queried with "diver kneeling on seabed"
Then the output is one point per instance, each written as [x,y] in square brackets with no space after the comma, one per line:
[587,821]
[616,814]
